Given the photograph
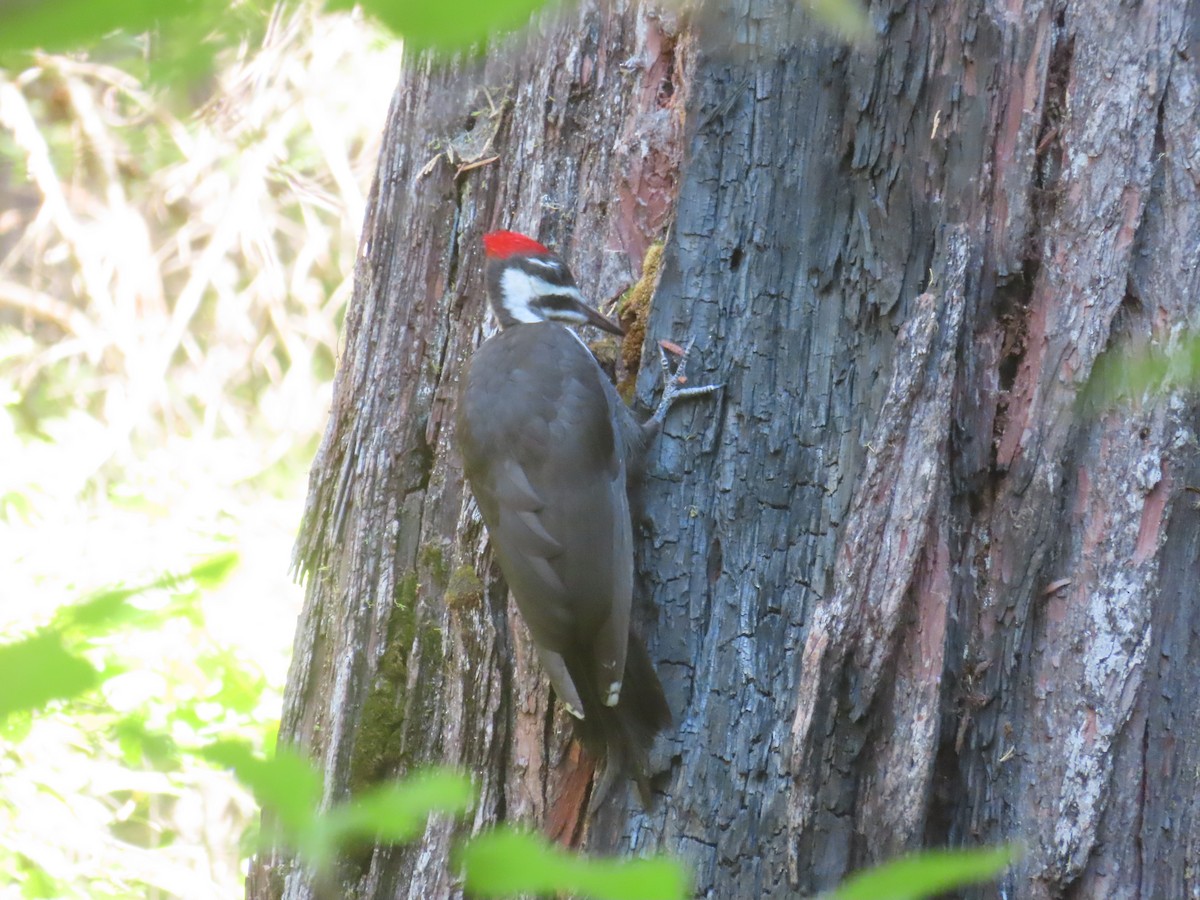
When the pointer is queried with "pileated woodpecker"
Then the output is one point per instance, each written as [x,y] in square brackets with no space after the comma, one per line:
[548,448]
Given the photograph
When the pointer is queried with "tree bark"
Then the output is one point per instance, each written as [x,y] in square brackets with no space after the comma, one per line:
[901,588]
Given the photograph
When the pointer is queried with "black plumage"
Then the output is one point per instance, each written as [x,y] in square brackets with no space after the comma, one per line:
[548,447]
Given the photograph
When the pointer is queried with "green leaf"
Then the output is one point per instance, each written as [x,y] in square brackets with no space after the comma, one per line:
[141,746]
[240,687]
[290,786]
[506,862]
[35,880]
[1124,373]
[435,23]
[65,24]
[98,613]
[397,811]
[109,609]
[39,669]
[926,874]
[287,784]
[214,571]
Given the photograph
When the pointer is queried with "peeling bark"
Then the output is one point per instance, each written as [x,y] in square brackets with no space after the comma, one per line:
[900,589]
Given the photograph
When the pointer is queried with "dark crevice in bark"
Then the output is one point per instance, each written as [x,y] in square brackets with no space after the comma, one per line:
[1012,296]
[1011,302]
[1140,812]
[666,86]
[945,788]
[419,461]
[714,561]
[1049,148]
[497,598]
[548,742]
[1070,889]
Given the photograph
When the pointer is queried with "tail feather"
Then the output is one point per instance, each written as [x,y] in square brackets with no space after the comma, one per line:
[623,734]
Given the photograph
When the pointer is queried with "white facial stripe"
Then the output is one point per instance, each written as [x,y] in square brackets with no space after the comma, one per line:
[520,290]
[550,264]
[517,293]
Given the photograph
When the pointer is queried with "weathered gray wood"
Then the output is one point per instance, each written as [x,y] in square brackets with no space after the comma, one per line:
[900,590]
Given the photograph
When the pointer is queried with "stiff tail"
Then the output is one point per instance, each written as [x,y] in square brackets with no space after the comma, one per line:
[622,734]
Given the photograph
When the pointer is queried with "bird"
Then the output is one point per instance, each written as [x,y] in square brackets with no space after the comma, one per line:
[549,450]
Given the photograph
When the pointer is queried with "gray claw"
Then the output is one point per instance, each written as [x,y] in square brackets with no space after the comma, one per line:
[672,381]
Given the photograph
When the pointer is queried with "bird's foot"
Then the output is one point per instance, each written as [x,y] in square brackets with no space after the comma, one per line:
[674,379]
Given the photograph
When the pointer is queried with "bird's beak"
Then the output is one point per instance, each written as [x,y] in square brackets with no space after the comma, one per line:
[602,322]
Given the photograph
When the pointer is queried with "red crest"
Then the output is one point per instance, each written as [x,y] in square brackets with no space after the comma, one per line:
[503,244]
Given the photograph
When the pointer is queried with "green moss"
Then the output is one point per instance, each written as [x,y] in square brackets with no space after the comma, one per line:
[432,655]
[377,743]
[401,625]
[433,558]
[606,352]
[465,589]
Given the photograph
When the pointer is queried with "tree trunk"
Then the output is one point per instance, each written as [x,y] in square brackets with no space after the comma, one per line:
[901,590]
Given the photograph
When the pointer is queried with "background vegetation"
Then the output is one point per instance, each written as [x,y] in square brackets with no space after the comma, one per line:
[176,245]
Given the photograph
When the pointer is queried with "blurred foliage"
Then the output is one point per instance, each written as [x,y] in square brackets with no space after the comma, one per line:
[176,47]
[51,664]
[926,874]
[60,25]
[845,19]
[40,669]
[447,26]
[502,862]
[179,211]
[67,24]
[288,787]
[1132,373]
[507,862]
[97,798]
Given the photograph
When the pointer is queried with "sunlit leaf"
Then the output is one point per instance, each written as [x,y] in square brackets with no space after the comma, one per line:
[98,613]
[213,571]
[65,24]
[290,787]
[287,784]
[434,23]
[184,52]
[506,862]
[241,687]
[36,881]
[39,669]
[397,811]
[110,609]
[926,874]
[187,34]
[140,745]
